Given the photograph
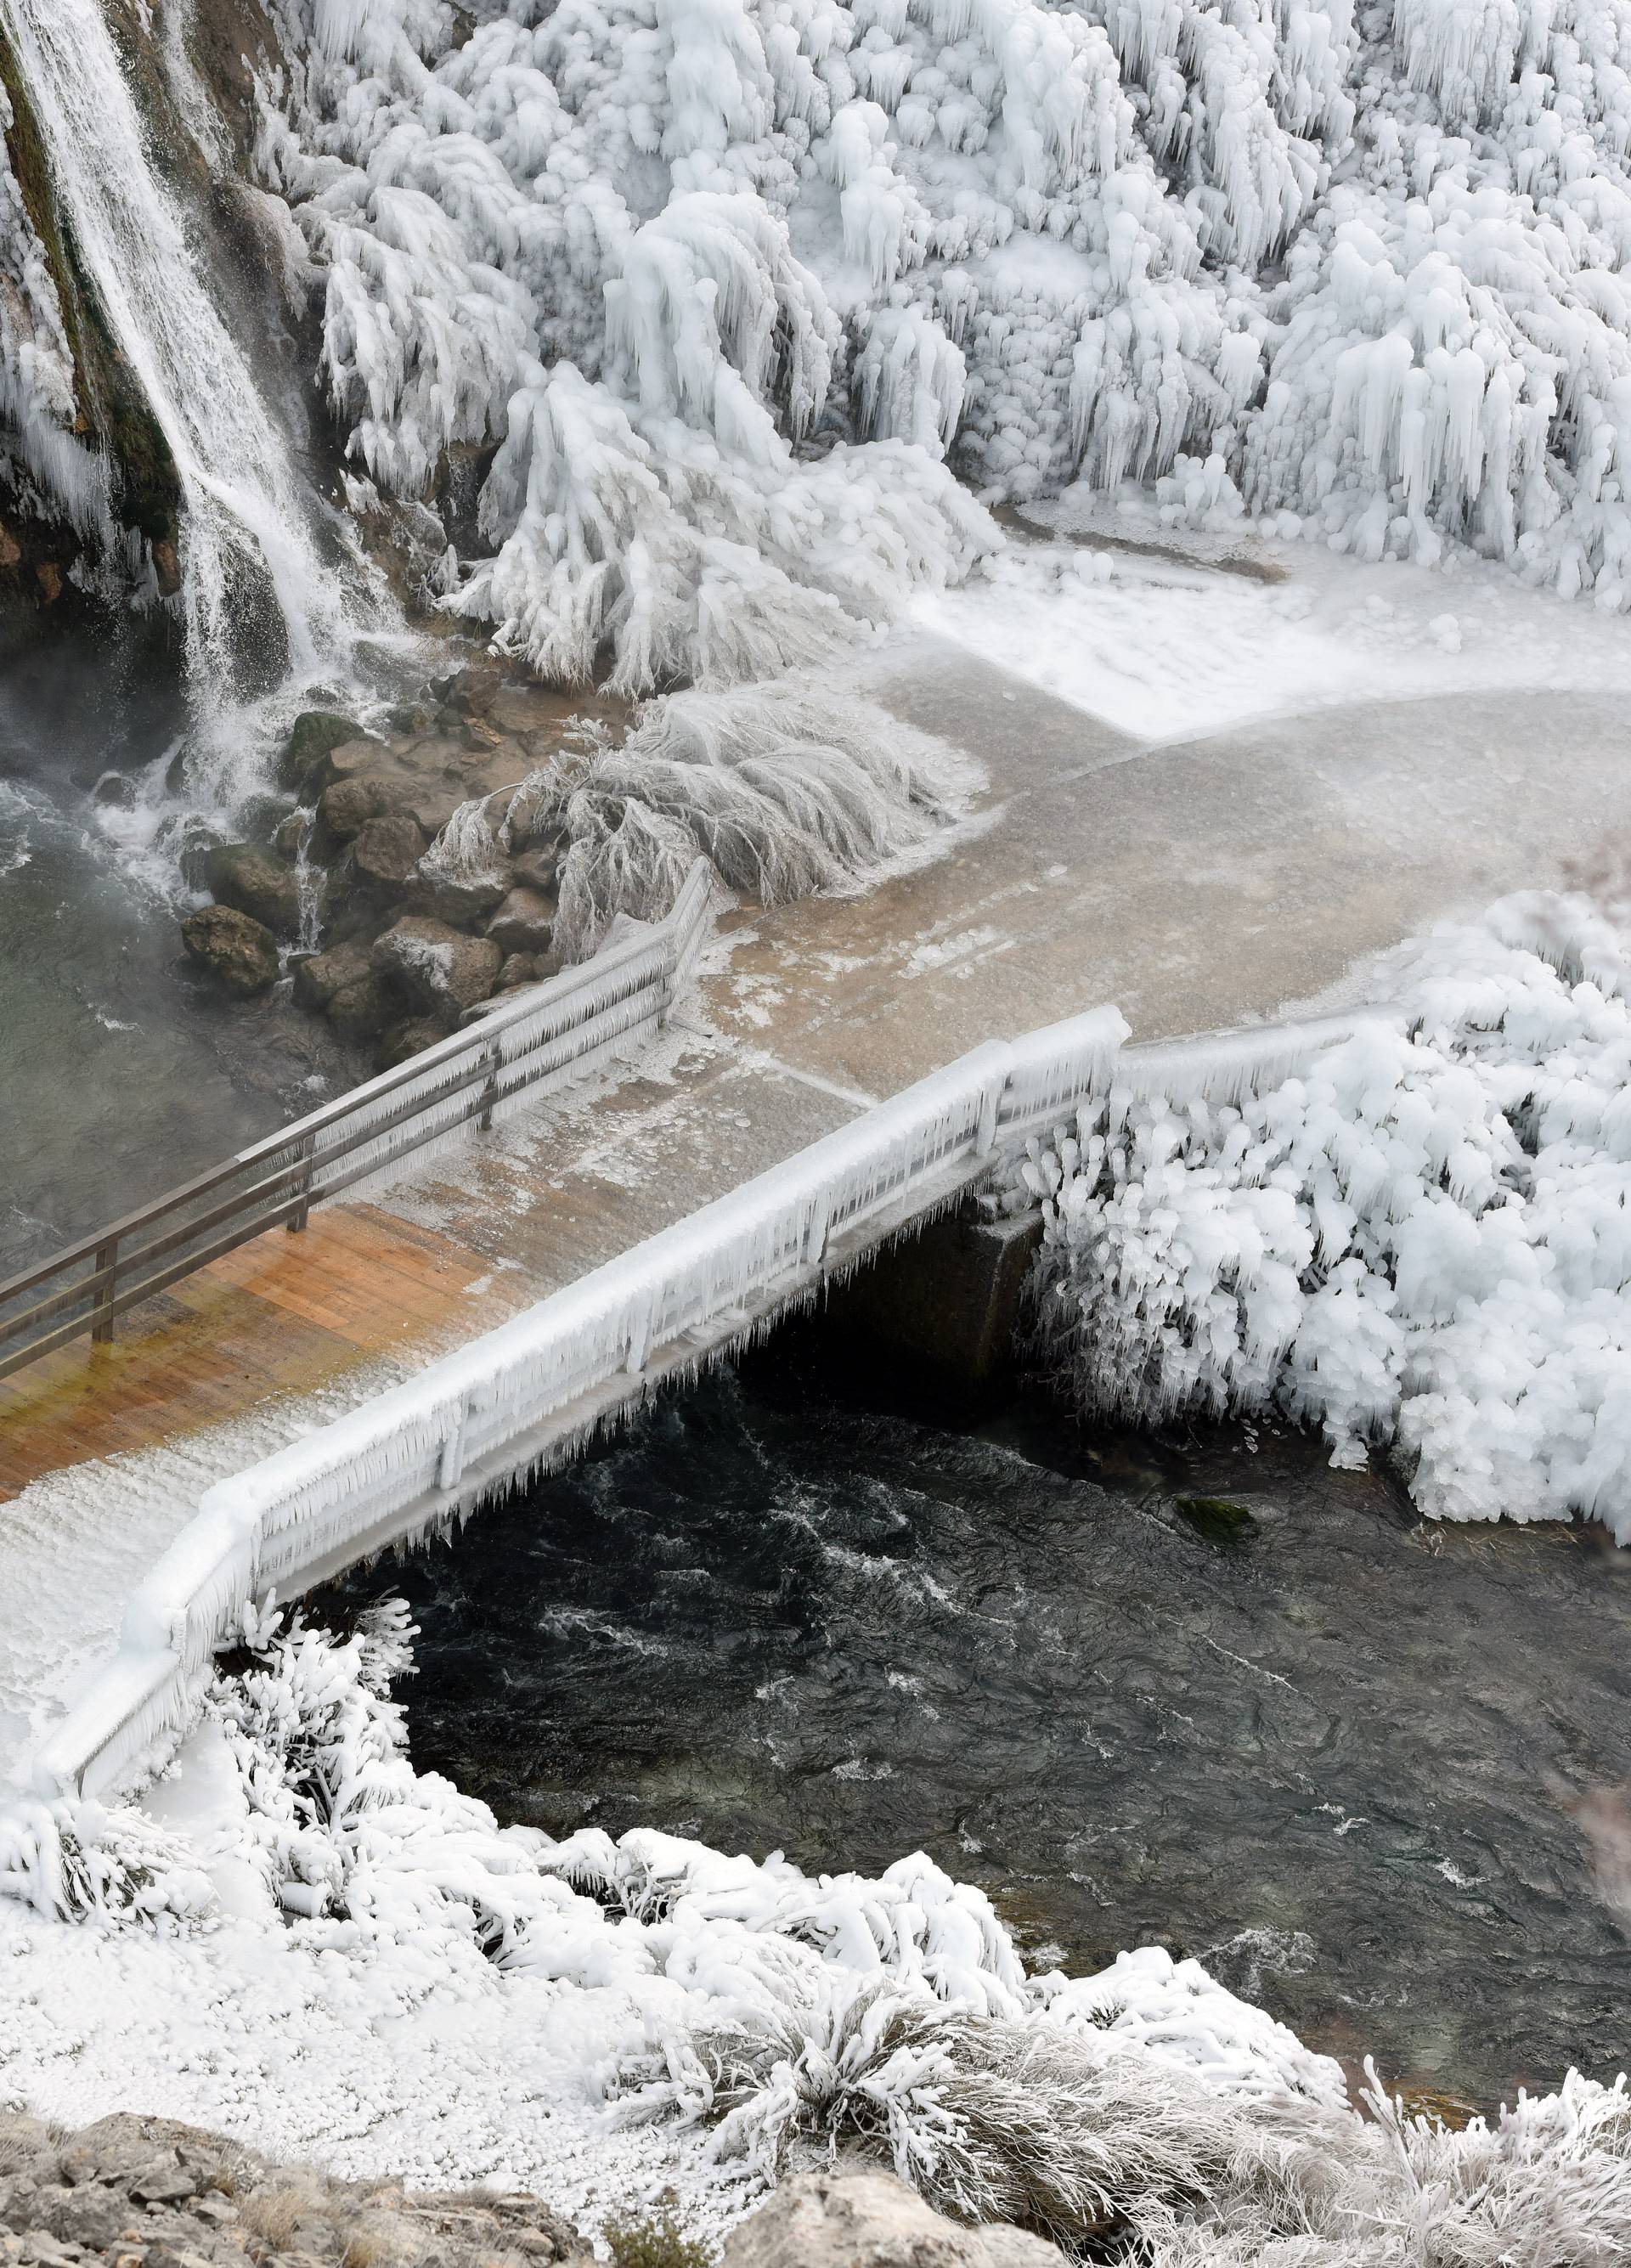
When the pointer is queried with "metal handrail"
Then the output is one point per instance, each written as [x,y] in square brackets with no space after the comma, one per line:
[548,1032]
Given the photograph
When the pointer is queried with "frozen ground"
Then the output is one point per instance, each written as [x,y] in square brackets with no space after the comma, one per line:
[1166,647]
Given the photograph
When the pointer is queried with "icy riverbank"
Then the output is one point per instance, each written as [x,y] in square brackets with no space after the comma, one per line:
[307,1944]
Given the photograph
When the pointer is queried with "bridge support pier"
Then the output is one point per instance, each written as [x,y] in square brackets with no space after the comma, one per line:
[943,1305]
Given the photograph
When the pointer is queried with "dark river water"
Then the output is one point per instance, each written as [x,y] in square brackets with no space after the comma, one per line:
[119,1074]
[1206,1693]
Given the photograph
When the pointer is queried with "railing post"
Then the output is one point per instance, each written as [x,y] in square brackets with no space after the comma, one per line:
[816,1233]
[102,1329]
[450,1465]
[991,1102]
[490,1093]
[302,1213]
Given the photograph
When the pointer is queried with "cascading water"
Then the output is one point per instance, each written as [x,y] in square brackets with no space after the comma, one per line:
[246,522]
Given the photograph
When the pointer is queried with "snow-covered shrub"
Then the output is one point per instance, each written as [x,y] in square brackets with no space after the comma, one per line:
[79,1862]
[1103,2143]
[1422,1239]
[990,2118]
[786,788]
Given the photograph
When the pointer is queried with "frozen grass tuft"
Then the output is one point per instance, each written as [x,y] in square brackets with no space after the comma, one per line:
[787,788]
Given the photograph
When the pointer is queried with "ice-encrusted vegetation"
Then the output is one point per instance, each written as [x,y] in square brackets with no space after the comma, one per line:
[730,284]
[785,788]
[1422,1240]
[766,2013]
[48,469]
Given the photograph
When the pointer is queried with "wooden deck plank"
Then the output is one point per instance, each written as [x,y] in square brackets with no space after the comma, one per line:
[281,1313]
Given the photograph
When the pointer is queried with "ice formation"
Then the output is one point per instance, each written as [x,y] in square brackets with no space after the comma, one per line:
[307,1923]
[1420,1239]
[730,283]
[785,788]
[48,468]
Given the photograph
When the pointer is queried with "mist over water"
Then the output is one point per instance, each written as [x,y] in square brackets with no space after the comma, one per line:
[119,1074]
[1204,1694]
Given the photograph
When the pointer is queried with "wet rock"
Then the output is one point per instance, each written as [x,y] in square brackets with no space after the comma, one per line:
[191,841]
[433,808]
[345,808]
[524,923]
[351,757]
[240,952]
[538,869]
[460,904]
[520,968]
[409,1039]
[116,788]
[386,851]
[256,883]
[436,969]
[321,975]
[292,835]
[838,2218]
[362,1009]
[311,740]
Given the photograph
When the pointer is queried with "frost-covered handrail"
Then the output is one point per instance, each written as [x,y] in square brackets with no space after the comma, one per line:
[524,1395]
[541,1038]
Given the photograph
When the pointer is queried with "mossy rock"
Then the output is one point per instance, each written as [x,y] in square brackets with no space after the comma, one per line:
[240,954]
[1218,1521]
[313,737]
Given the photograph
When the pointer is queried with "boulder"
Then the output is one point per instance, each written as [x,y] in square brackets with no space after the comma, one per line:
[524,923]
[362,1009]
[538,869]
[238,952]
[405,1039]
[290,837]
[346,807]
[95,2216]
[321,975]
[433,808]
[460,904]
[311,739]
[386,851]
[840,2217]
[256,883]
[520,968]
[438,971]
[365,754]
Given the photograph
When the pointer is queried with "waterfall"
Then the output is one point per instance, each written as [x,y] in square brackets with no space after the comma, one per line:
[244,519]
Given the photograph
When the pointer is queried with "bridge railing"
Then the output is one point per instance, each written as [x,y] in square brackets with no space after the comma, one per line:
[523,1395]
[547,1036]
